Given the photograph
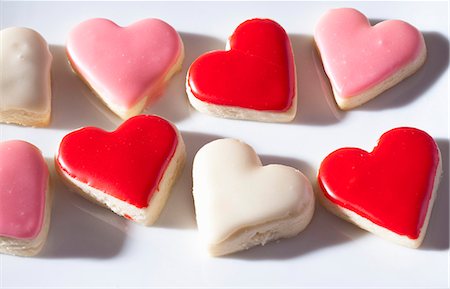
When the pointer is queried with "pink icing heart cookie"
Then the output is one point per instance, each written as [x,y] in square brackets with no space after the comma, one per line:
[125,66]
[239,203]
[25,202]
[361,60]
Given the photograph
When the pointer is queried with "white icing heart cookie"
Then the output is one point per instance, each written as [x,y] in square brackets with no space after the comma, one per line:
[25,90]
[239,203]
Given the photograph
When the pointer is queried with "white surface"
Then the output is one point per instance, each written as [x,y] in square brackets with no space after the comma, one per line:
[89,246]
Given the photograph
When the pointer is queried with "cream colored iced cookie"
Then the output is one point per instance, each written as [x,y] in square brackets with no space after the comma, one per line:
[240,204]
[25,91]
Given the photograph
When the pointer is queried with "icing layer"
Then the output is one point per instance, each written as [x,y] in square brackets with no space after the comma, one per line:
[232,190]
[257,72]
[357,56]
[25,61]
[23,185]
[391,186]
[127,163]
[124,64]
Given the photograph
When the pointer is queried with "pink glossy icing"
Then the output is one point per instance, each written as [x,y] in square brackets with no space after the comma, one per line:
[357,56]
[124,64]
[23,185]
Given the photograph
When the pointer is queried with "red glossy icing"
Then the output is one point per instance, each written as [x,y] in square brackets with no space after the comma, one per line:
[256,73]
[127,163]
[391,186]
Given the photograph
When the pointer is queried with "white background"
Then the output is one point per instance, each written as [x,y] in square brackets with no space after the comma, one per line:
[91,247]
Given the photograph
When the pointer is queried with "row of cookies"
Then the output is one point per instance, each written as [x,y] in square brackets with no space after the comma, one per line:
[254,79]
[239,203]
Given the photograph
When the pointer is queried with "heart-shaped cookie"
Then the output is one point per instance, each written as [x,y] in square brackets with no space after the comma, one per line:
[389,191]
[361,60]
[239,203]
[254,79]
[130,170]
[24,198]
[25,63]
[125,66]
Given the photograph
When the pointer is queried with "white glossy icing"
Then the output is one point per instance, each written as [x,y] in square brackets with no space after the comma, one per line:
[232,190]
[25,62]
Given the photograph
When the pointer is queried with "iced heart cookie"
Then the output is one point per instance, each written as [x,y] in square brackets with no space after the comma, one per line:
[240,204]
[125,66]
[25,82]
[361,60]
[25,205]
[389,191]
[254,79]
[130,170]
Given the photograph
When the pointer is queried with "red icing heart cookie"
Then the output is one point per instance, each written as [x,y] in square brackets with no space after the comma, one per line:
[130,170]
[389,191]
[254,79]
